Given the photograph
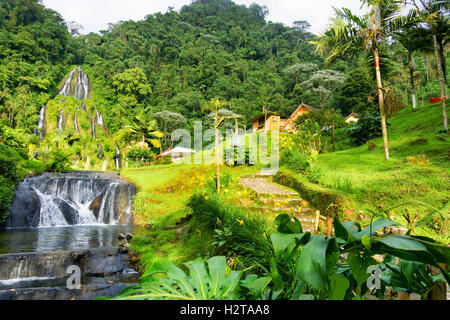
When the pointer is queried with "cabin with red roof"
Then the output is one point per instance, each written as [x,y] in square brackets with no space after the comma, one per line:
[301,110]
[273,122]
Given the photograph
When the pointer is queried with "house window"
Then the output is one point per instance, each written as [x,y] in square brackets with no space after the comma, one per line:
[275,119]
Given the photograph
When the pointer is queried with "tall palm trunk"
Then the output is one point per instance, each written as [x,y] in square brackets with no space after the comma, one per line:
[441,81]
[381,101]
[413,85]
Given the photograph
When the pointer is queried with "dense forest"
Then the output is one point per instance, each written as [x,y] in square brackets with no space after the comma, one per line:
[178,61]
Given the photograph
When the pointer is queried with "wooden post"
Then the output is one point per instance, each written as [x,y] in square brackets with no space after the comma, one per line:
[316,222]
[329,226]
[439,291]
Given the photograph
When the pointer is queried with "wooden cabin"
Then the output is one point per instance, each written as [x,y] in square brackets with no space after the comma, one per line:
[352,118]
[267,123]
[301,110]
[274,122]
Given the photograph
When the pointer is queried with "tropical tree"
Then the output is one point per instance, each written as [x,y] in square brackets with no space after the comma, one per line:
[349,34]
[324,83]
[142,128]
[168,122]
[219,115]
[434,13]
[414,39]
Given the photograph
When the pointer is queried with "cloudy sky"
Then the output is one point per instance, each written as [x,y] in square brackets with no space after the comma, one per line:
[94,15]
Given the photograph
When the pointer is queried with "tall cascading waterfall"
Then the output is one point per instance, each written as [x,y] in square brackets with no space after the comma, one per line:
[118,158]
[41,123]
[82,86]
[67,88]
[75,122]
[94,135]
[101,154]
[77,198]
[99,119]
[61,121]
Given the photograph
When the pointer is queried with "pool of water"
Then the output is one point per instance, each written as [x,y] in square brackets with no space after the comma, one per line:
[62,239]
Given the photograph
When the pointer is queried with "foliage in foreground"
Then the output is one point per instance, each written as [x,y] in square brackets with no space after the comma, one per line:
[292,264]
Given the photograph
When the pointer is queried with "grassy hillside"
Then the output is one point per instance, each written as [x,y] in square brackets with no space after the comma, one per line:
[418,171]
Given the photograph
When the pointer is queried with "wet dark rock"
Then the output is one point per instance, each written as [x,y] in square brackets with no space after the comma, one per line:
[129,237]
[26,207]
[42,276]
[96,204]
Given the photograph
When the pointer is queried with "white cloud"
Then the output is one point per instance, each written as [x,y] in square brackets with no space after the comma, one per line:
[94,15]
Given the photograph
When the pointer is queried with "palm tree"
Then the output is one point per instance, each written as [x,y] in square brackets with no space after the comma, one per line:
[219,115]
[350,34]
[142,128]
[433,12]
[415,39]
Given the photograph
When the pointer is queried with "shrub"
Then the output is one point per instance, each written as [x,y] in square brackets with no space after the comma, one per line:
[163,161]
[6,196]
[59,161]
[140,154]
[314,174]
[244,233]
[225,180]
[296,160]
[343,184]
[367,128]
[240,156]
[8,179]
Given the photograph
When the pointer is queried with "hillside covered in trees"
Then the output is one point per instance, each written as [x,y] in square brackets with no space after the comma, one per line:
[178,61]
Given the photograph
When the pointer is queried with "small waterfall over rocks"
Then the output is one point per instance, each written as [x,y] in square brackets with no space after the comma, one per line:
[76,198]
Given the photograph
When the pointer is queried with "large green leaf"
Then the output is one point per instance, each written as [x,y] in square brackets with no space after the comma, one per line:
[317,259]
[377,225]
[286,224]
[338,287]
[283,242]
[359,266]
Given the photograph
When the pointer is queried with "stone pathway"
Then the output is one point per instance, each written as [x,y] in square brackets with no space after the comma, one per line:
[273,199]
[264,186]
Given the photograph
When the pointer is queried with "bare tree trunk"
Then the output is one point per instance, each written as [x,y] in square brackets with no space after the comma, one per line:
[381,101]
[441,81]
[413,85]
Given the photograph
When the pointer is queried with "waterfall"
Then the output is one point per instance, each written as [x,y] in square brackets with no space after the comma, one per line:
[81,90]
[93,128]
[67,90]
[117,158]
[41,123]
[82,86]
[76,198]
[77,129]
[99,119]
[101,155]
[61,120]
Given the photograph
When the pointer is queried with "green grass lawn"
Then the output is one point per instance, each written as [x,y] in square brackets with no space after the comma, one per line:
[161,201]
[418,171]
